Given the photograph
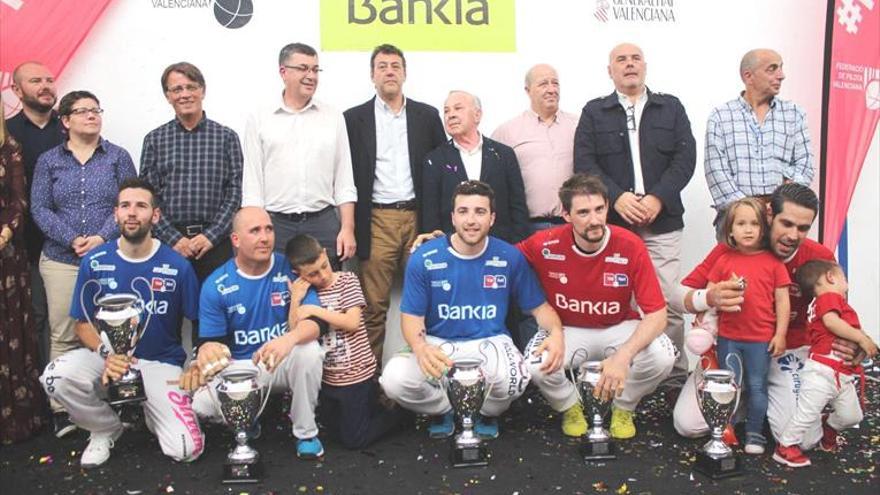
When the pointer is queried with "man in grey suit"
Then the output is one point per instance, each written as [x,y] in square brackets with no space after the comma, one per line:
[389,136]
[471,156]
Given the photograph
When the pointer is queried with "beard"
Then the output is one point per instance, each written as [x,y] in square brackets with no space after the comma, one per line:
[38,106]
[592,234]
[136,236]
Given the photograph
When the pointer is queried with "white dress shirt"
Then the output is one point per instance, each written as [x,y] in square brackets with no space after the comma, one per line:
[634,149]
[472,160]
[393,175]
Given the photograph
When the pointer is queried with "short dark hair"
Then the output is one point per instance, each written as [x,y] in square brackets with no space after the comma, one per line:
[809,274]
[189,70]
[291,48]
[474,188]
[760,210]
[581,184]
[302,250]
[386,49]
[68,100]
[793,192]
[138,183]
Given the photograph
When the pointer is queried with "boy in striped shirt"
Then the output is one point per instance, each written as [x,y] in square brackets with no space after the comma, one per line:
[348,394]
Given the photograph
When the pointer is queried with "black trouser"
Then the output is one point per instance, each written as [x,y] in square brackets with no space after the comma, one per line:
[353,416]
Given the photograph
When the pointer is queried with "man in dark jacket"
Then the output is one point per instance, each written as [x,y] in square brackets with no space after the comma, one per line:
[389,136]
[640,144]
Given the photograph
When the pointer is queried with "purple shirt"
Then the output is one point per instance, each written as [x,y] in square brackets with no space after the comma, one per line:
[69,199]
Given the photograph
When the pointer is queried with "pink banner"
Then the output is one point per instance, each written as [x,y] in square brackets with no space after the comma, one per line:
[853,106]
[45,31]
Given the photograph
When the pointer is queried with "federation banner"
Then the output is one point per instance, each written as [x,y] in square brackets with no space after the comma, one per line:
[853,107]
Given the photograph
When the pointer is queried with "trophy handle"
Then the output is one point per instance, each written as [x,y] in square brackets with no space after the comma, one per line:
[570,372]
[267,390]
[698,373]
[483,345]
[146,308]
[82,302]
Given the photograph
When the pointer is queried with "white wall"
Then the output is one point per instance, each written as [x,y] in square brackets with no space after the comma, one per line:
[696,59]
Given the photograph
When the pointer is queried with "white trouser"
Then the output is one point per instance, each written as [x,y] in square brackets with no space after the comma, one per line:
[649,367]
[74,380]
[300,372]
[403,380]
[784,381]
[819,386]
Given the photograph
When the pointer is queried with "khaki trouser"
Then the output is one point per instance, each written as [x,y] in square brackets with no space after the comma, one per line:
[59,280]
[392,231]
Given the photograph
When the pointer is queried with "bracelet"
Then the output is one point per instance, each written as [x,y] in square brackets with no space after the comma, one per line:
[700,300]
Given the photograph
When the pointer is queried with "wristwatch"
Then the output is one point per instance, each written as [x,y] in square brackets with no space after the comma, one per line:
[103,350]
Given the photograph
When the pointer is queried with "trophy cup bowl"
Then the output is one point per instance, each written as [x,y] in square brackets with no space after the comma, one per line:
[120,323]
[465,388]
[717,398]
[241,398]
[597,444]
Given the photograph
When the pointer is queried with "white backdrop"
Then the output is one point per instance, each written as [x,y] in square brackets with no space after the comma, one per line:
[695,58]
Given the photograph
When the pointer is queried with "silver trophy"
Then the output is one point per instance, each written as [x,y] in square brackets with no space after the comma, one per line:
[120,322]
[466,389]
[718,396]
[597,445]
[241,398]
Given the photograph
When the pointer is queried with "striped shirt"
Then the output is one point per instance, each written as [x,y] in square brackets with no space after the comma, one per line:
[348,359]
[745,158]
[197,175]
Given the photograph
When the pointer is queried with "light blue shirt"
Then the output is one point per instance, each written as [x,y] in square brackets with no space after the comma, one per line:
[393,175]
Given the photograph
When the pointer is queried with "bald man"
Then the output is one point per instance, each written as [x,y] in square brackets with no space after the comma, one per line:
[542,138]
[471,156]
[757,141]
[248,318]
[640,143]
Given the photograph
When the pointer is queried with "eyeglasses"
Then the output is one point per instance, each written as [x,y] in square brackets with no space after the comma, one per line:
[631,118]
[192,88]
[83,111]
[314,69]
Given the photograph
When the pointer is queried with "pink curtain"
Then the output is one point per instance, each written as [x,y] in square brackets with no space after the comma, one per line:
[46,31]
[853,106]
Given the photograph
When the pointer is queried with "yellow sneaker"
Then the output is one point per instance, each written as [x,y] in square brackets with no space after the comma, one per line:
[622,426]
[573,422]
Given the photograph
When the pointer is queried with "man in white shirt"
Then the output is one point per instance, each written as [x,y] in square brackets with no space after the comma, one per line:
[297,163]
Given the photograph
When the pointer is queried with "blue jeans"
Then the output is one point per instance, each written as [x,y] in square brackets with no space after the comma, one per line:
[756,361]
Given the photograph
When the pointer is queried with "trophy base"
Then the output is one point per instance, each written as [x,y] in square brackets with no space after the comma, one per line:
[717,468]
[603,450]
[126,393]
[242,473]
[469,456]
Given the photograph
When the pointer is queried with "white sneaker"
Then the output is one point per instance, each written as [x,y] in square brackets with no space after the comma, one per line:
[754,448]
[98,450]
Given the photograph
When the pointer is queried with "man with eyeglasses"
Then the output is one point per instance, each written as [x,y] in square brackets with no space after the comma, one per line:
[195,165]
[640,143]
[389,136]
[297,163]
[757,141]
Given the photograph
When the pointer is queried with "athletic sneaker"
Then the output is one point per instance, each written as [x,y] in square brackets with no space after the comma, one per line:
[828,443]
[622,426]
[63,426]
[791,456]
[573,422]
[754,448]
[486,428]
[442,426]
[98,450]
[309,448]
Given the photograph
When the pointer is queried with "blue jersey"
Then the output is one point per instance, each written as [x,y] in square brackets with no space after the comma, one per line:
[167,275]
[248,310]
[465,298]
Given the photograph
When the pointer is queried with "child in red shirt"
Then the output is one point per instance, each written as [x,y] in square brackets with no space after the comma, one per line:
[758,331]
[825,378]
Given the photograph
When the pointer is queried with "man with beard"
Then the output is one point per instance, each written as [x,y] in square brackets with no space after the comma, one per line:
[456,292]
[37,128]
[167,290]
[590,272]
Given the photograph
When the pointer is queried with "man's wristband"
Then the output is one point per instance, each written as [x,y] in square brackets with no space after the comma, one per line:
[700,300]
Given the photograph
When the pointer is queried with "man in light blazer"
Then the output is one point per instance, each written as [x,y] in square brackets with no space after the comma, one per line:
[389,136]
[471,156]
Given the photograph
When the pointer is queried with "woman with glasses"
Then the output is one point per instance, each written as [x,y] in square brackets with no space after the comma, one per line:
[73,195]
[22,413]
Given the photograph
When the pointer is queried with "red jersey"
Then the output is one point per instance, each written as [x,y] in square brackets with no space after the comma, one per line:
[797,325]
[594,290]
[763,273]
[820,336]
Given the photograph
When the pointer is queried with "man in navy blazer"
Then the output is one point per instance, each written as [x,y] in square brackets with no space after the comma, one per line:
[389,136]
[471,156]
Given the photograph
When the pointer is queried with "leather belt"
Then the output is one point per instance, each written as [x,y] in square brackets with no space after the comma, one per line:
[299,217]
[409,205]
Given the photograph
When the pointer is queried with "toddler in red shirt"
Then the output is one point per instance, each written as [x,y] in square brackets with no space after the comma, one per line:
[826,379]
